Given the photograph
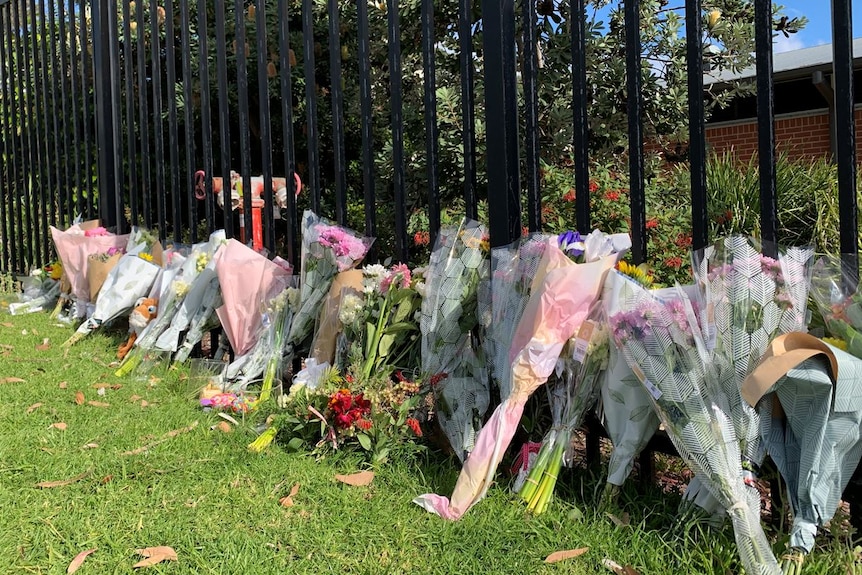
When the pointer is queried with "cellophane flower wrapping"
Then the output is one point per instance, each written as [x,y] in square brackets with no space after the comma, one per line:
[129,280]
[839,301]
[572,391]
[750,299]
[74,246]
[203,320]
[450,352]
[39,292]
[663,343]
[561,296]
[195,286]
[326,250]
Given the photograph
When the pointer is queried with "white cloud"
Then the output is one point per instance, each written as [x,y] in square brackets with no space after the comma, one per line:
[782,44]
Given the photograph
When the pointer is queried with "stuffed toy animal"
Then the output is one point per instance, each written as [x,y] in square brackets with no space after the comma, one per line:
[145,311]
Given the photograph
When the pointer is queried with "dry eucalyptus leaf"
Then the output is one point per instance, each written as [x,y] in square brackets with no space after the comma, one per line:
[155,555]
[99,385]
[563,555]
[98,404]
[12,380]
[618,569]
[79,397]
[63,385]
[288,501]
[7,324]
[59,425]
[629,570]
[62,482]
[135,398]
[90,446]
[33,408]
[144,403]
[116,386]
[44,346]
[79,560]
[357,479]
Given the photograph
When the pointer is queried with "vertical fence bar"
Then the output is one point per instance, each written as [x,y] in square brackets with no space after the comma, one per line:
[87,105]
[104,112]
[224,120]
[337,107]
[6,129]
[265,131]
[27,115]
[115,200]
[501,125]
[432,132]
[61,141]
[68,126]
[158,122]
[636,149]
[188,110]
[43,171]
[531,113]
[313,179]
[144,117]
[206,119]
[845,139]
[696,124]
[284,68]
[365,102]
[173,127]
[468,114]
[397,120]
[50,74]
[580,121]
[765,120]
[76,90]
[17,112]
[131,131]
[244,138]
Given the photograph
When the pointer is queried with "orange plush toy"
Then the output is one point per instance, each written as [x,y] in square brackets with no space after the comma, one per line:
[145,311]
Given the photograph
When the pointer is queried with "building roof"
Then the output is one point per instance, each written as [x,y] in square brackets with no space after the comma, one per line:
[791,65]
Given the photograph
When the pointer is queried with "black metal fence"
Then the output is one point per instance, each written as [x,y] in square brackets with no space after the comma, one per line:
[121,109]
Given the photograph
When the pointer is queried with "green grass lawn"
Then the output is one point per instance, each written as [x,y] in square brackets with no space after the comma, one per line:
[202,493]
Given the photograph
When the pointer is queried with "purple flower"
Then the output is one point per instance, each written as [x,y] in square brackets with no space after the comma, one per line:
[571,243]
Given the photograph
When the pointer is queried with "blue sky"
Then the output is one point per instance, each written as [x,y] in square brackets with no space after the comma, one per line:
[819,28]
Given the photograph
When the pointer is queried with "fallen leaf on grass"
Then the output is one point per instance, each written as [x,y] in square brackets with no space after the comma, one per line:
[59,425]
[223,426]
[155,555]
[165,437]
[135,398]
[288,501]
[78,560]
[44,346]
[99,385]
[357,479]
[62,482]
[79,397]
[563,555]
[7,324]
[144,403]
[98,404]
[90,446]
[618,569]
[33,408]
[106,479]
[116,386]
[63,385]
[12,380]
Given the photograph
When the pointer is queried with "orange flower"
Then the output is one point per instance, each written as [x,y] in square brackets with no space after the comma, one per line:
[651,224]
[363,424]
[413,424]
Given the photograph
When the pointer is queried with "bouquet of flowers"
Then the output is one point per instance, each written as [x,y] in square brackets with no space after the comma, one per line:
[450,353]
[98,267]
[662,341]
[128,281]
[573,392]
[203,320]
[74,246]
[561,298]
[40,290]
[839,304]
[326,250]
[750,299]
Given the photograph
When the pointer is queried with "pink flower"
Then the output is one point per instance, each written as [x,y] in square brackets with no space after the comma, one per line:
[399,276]
[347,249]
[96,232]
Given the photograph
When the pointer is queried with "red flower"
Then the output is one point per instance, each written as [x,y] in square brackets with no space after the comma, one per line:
[612,196]
[651,224]
[674,262]
[363,424]
[343,421]
[683,241]
[569,196]
[422,238]
[361,403]
[525,230]
[348,378]
[437,378]
[413,424]
[594,187]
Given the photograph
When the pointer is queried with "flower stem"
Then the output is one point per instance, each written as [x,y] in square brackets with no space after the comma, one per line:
[263,440]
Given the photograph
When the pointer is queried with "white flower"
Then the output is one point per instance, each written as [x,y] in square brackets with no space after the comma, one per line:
[292,295]
[421,288]
[351,304]
[181,288]
[373,275]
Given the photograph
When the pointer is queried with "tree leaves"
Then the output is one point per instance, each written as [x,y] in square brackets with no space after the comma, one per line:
[360,479]
[563,555]
[154,556]
[79,560]
[63,482]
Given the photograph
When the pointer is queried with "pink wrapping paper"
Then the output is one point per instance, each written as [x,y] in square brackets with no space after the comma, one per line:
[562,296]
[247,281]
[74,250]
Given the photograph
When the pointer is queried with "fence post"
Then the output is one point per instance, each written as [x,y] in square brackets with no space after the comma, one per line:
[501,121]
[104,113]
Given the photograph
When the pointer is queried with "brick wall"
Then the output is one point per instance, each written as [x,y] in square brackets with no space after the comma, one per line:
[800,136]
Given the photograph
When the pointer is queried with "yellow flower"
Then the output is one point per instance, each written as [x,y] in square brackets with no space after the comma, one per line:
[637,273]
[145,256]
[836,342]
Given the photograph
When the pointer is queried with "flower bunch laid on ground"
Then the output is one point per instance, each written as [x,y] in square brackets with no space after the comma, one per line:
[39,290]
[839,301]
